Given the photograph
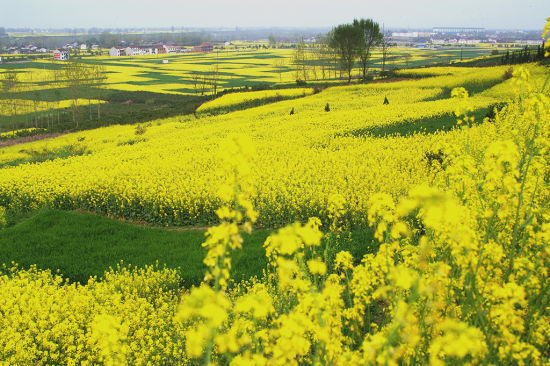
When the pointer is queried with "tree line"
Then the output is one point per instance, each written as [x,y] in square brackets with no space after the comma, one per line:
[25,103]
[524,55]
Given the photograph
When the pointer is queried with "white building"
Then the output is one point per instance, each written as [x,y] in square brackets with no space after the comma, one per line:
[172,48]
[138,51]
[116,51]
[469,41]
[410,34]
[83,47]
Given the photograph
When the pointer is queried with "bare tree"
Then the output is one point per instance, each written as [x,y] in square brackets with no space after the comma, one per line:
[322,57]
[214,78]
[57,84]
[74,74]
[10,86]
[88,82]
[407,58]
[280,66]
[385,46]
[299,59]
[204,83]
[196,80]
[99,76]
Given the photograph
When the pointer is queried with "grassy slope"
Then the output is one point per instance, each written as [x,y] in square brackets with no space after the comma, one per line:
[81,245]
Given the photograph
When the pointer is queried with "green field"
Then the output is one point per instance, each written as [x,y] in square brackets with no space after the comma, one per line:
[81,245]
[143,88]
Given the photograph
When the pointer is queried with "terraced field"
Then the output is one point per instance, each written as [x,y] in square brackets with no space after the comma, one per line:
[169,172]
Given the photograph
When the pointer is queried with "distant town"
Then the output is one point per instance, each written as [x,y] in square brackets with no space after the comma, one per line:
[130,43]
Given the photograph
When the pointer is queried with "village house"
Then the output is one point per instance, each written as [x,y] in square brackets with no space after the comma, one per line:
[158,48]
[116,51]
[61,54]
[205,47]
[83,47]
[69,46]
[138,51]
[172,48]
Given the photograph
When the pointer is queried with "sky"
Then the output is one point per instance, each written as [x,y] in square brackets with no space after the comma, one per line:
[490,14]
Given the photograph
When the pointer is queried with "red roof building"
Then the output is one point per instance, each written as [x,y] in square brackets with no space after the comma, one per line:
[61,54]
[205,47]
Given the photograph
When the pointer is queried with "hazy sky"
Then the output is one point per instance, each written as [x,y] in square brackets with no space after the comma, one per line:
[510,14]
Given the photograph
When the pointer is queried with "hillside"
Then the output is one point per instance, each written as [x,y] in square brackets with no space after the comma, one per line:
[168,172]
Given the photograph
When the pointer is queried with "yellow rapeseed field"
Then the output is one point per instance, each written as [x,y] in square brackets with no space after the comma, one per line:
[171,173]
[250,99]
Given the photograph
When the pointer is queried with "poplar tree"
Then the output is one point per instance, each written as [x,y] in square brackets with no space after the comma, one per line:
[370,37]
[346,40]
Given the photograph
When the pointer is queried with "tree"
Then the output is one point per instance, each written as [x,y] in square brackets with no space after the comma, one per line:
[74,75]
[346,40]
[272,41]
[196,80]
[385,45]
[299,58]
[371,37]
[108,40]
[408,57]
[322,55]
[10,86]
[280,66]
[214,78]
[99,76]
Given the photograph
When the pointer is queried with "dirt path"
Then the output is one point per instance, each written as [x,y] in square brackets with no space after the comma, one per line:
[22,140]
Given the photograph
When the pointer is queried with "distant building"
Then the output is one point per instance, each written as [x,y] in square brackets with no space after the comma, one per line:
[138,51]
[95,47]
[205,47]
[71,45]
[411,35]
[61,54]
[158,49]
[83,47]
[469,41]
[457,30]
[172,48]
[116,51]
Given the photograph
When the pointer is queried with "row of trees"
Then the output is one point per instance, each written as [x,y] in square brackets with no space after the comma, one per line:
[207,83]
[340,50]
[524,55]
[25,103]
